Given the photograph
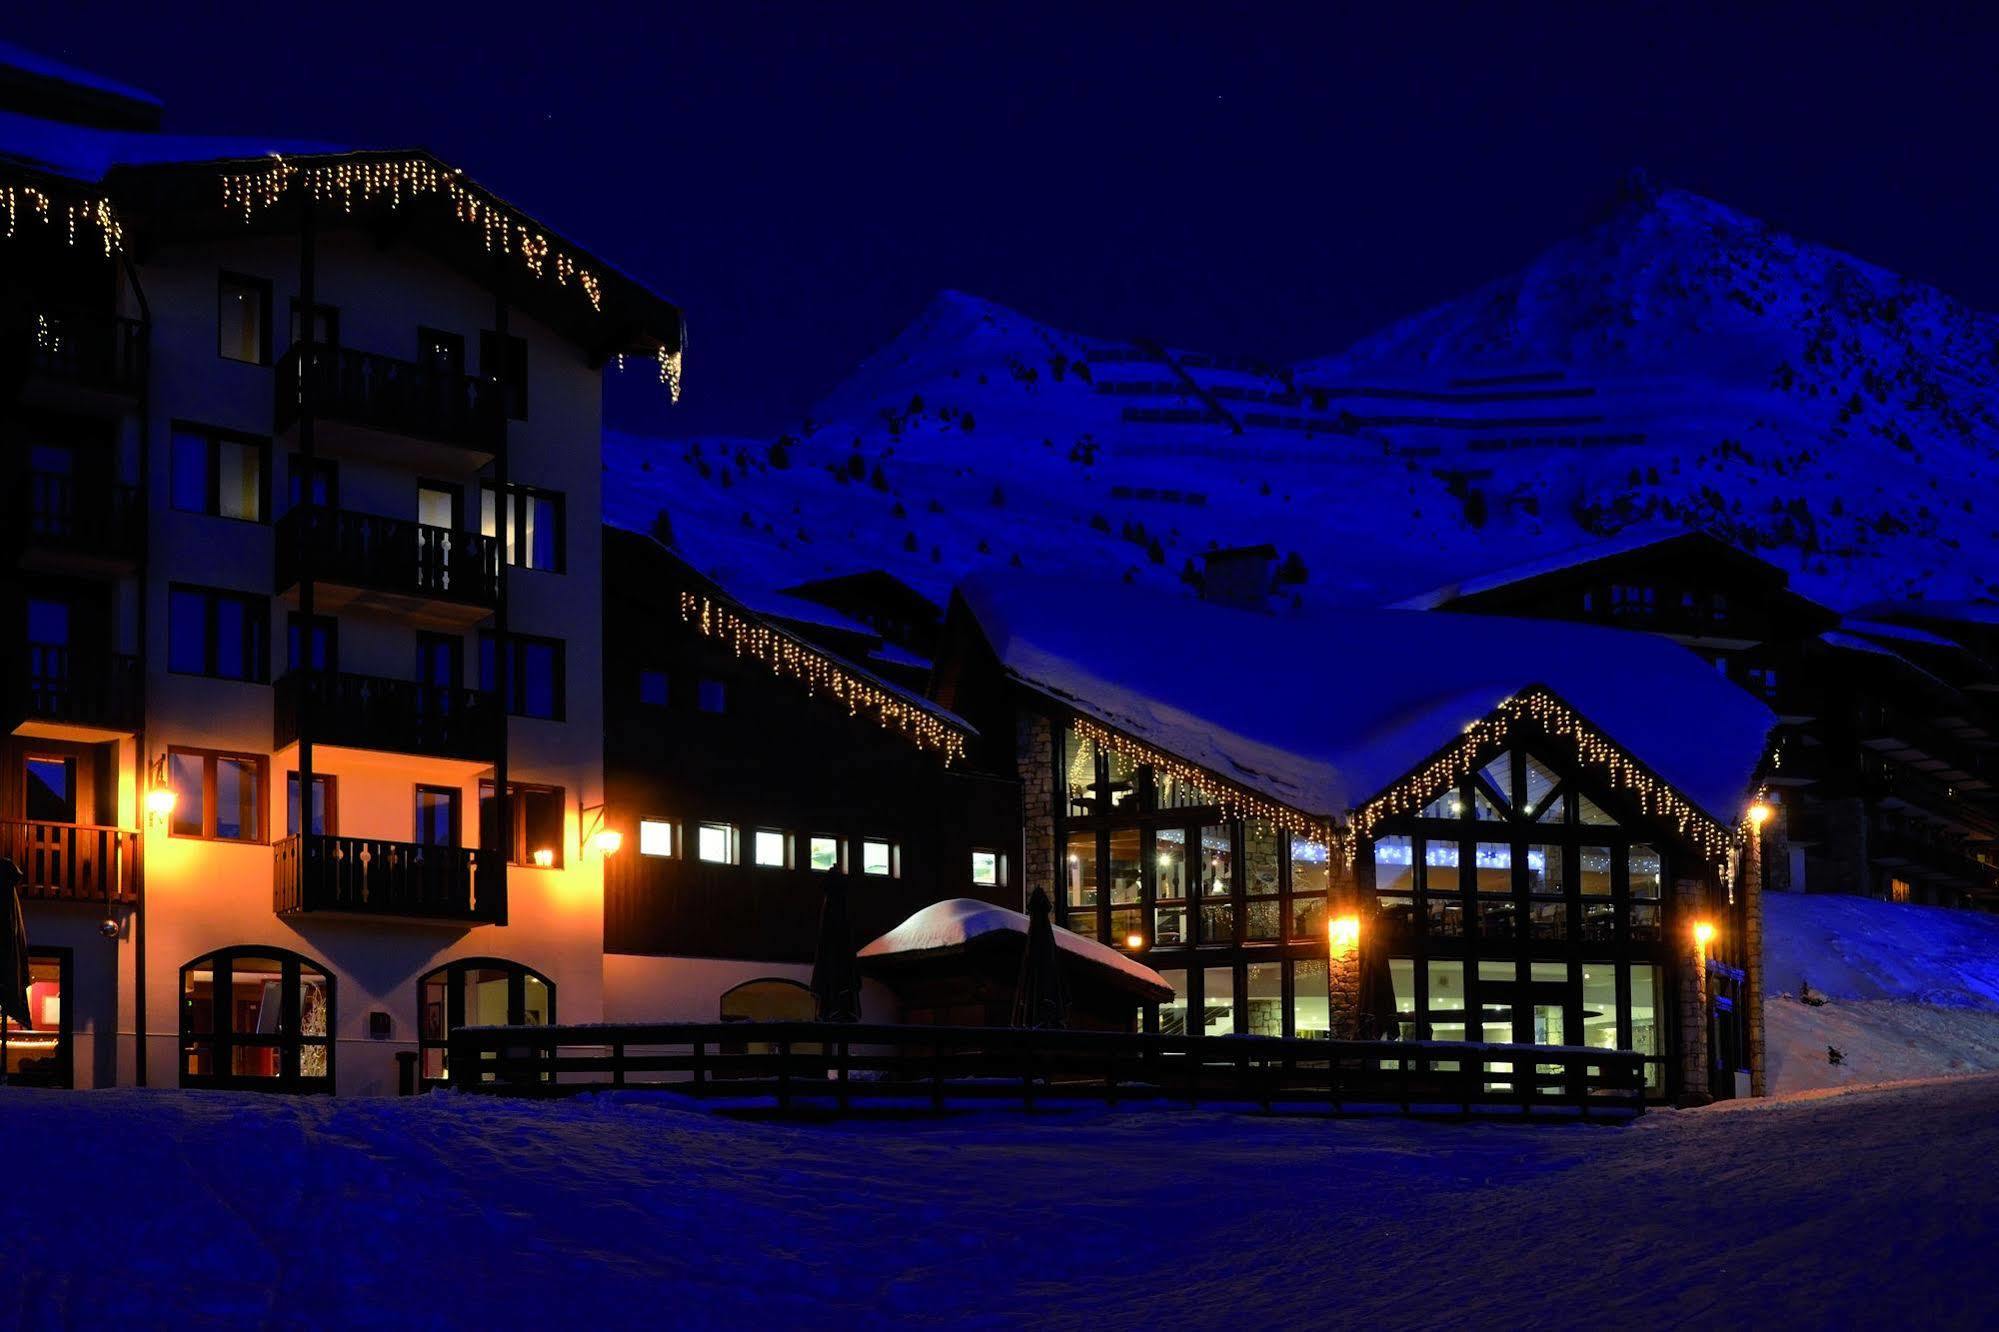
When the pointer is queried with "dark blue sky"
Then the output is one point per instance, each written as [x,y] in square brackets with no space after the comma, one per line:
[1267,181]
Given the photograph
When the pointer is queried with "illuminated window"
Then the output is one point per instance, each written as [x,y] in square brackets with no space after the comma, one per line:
[877,858]
[988,869]
[771,849]
[243,324]
[655,837]
[1898,890]
[716,843]
[824,854]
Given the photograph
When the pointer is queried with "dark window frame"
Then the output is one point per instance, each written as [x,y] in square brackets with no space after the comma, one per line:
[511,377]
[518,497]
[519,853]
[256,623]
[222,1038]
[452,975]
[213,437]
[262,286]
[63,1072]
[516,692]
[294,807]
[208,785]
[456,805]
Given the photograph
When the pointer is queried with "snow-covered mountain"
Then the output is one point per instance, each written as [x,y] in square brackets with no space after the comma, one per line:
[1677,363]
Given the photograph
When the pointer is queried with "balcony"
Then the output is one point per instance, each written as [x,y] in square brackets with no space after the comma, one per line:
[80,360]
[434,575]
[56,684]
[59,522]
[377,405]
[366,876]
[70,862]
[395,716]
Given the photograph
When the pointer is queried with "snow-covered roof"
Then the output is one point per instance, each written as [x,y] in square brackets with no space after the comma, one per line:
[87,154]
[1321,710]
[19,59]
[1855,643]
[954,923]
[1906,632]
[1643,536]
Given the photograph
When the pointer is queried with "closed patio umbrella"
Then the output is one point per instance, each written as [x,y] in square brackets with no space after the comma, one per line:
[836,975]
[1042,998]
[13,946]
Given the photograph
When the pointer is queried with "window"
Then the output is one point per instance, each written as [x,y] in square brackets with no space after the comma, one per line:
[534,686]
[324,812]
[1263,910]
[437,816]
[713,696]
[824,854]
[878,858]
[254,1017]
[437,505]
[531,830]
[653,688]
[314,481]
[217,633]
[477,992]
[1169,887]
[503,358]
[1081,869]
[36,1053]
[1311,877]
[988,869]
[771,849]
[325,329]
[219,797]
[715,843]
[49,792]
[243,319]
[312,646]
[219,473]
[440,352]
[534,526]
[655,837]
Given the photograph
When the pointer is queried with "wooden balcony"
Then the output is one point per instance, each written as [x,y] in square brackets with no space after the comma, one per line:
[394,716]
[395,401]
[79,360]
[71,862]
[434,575]
[60,685]
[367,876]
[61,522]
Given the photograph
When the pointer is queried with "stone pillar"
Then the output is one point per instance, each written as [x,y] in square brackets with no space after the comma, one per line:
[1693,993]
[1752,958]
[1346,1018]
[1034,751]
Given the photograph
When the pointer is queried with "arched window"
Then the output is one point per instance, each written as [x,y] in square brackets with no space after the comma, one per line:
[477,992]
[256,1018]
[769,999]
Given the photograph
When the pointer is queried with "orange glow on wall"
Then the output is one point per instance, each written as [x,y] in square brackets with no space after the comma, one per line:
[1343,934]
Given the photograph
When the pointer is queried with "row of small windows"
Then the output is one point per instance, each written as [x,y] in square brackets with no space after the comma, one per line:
[656,691]
[768,848]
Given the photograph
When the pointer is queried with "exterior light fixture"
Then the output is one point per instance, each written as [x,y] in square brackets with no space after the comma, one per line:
[1703,934]
[1759,813]
[606,841]
[1134,941]
[160,803]
[1343,934]
[544,858]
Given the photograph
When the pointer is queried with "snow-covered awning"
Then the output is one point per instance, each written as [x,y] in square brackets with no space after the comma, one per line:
[949,926]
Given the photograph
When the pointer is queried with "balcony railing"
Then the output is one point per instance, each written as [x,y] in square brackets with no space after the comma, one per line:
[57,683]
[388,555]
[72,862]
[383,393]
[99,352]
[373,877]
[397,716]
[55,511]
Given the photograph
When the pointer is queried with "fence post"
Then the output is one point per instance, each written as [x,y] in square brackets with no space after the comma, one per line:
[617,1063]
[700,1079]
[406,1072]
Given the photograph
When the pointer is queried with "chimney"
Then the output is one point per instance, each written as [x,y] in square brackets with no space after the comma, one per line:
[1240,577]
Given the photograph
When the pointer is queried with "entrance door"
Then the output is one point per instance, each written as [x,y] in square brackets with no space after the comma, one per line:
[1530,1012]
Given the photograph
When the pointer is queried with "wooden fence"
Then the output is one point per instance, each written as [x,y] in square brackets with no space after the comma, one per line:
[818,1067]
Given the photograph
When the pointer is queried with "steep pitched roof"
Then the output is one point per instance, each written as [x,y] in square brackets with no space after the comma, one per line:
[1323,710]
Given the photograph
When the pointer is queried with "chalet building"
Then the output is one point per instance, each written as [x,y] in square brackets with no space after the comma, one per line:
[301,732]
[743,763]
[1382,823]
[1885,777]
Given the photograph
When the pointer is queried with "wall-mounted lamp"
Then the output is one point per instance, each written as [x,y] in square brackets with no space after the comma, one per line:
[596,837]
[1760,812]
[1703,934]
[1134,941]
[160,794]
[1343,934]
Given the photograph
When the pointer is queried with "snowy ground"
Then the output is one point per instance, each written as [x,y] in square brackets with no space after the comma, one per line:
[167,1208]
[1910,991]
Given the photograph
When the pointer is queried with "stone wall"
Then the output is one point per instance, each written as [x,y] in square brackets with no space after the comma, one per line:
[1034,748]
[1692,997]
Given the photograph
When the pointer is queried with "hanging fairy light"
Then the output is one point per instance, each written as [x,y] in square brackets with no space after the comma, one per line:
[788,657]
[1541,711]
[1236,802]
[77,217]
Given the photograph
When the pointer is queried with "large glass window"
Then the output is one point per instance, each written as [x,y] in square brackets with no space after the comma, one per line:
[477,992]
[1126,886]
[1647,881]
[1493,868]
[1445,997]
[216,796]
[533,828]
[1311,877]
[534,526]
[1600,1005]
[1218,1001]
[1217,885]
[1261,865]
[1443,889]
[1311,1007]
[1173,1013]
[1263,999]
[1169,878]
[1402,980]
[256,1017]
[1648,1023]
[1079,772]
[1082,873]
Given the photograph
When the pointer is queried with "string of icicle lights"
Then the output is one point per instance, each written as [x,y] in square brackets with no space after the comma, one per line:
[396,180]
[77,216]
[1235,802]
[1540,709]
[788,657]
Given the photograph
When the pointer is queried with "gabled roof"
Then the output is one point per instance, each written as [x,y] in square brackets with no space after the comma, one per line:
[1644,536]
[1323,710]
[948,927]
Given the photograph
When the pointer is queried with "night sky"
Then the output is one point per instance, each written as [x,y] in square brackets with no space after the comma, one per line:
[1270,181]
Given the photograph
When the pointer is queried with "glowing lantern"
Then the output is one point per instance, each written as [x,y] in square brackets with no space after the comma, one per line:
[607,841]
[1759,813]
[1703,934]
[544,858]
[1343,934]
[160,803]
[1134,941]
